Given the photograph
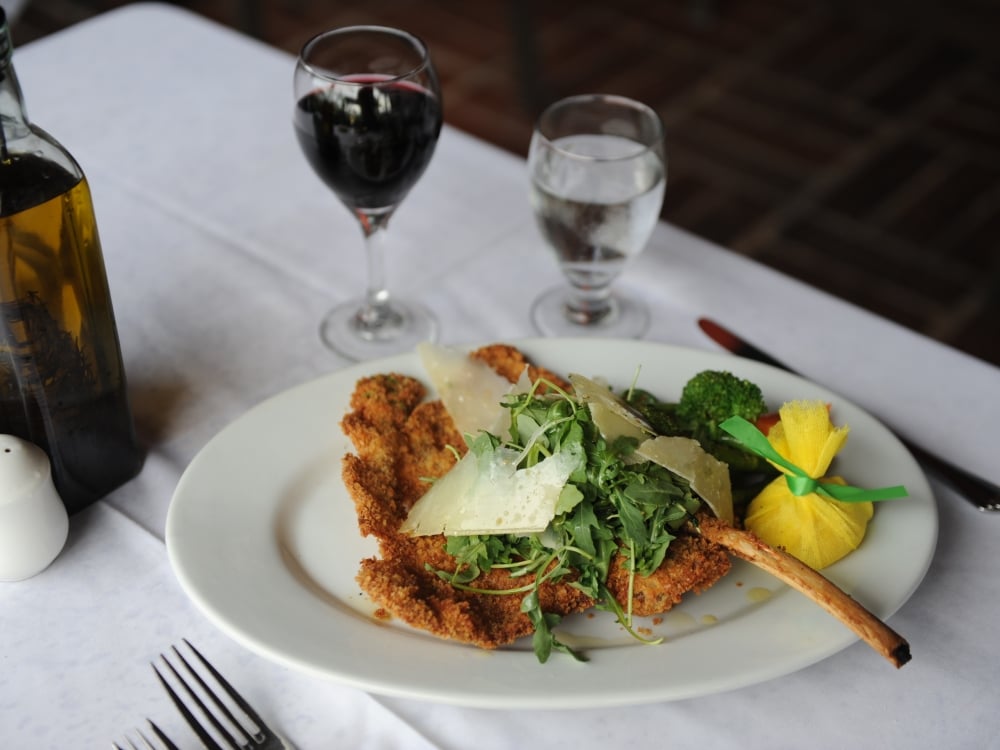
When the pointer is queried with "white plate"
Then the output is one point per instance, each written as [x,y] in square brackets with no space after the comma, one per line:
[262,535]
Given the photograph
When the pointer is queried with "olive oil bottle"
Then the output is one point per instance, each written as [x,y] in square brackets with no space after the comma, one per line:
[62,382]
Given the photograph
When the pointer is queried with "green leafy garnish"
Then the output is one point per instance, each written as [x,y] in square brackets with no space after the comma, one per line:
[609,505]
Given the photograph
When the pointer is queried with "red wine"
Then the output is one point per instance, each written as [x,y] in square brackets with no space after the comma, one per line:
[369,143]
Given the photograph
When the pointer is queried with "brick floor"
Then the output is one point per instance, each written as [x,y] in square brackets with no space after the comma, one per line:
[854,145]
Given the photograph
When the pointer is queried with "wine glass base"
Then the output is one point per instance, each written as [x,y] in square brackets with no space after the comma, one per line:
[628,318]
[405,325]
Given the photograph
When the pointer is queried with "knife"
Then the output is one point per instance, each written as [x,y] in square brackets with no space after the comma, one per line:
[980,492]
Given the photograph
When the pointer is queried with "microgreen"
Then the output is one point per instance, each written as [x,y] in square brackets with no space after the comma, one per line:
[610,505]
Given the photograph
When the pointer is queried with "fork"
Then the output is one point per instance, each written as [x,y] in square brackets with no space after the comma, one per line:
[233,732]
[167,743]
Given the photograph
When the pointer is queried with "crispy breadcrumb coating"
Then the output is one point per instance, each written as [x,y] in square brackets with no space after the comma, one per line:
[401,441]
[509,362]
[692,564]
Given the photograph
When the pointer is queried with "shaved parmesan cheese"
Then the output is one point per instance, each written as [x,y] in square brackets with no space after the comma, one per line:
[611,414]
[469,389]
[488,495]
[708,476]
[612,425]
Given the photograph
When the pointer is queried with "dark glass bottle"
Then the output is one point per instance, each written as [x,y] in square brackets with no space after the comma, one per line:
[62,383]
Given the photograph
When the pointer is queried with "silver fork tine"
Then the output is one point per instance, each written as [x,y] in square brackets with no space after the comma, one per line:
[219,720]
[167,744]
[189,717]
[212,696]
[238,699]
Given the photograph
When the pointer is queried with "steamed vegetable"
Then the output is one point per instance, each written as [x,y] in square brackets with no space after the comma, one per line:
[712,396]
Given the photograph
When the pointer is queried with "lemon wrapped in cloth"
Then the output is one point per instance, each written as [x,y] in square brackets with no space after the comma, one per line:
[816,518]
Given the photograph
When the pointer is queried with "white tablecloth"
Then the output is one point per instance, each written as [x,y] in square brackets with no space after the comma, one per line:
[223,251]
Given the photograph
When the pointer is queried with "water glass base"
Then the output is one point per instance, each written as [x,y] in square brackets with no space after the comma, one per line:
[628,319]
[404,325]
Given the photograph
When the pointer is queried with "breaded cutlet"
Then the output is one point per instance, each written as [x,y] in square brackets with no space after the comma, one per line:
[401,441]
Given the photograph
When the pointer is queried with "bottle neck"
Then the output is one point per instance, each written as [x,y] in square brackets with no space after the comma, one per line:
[34,167]
[14,123]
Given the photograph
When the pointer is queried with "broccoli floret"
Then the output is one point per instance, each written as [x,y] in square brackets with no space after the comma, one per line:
[713,396]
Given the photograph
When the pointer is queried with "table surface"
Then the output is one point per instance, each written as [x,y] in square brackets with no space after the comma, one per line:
[223,251]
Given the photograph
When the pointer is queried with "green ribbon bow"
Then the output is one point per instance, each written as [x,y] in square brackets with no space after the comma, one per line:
[800,483]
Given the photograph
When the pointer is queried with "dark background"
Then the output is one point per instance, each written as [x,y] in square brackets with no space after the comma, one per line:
[852,144]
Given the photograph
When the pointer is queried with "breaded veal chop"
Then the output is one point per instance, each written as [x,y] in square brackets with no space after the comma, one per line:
[400,440]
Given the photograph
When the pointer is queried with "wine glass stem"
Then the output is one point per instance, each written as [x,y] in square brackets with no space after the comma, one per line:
[376,313]
[589,305]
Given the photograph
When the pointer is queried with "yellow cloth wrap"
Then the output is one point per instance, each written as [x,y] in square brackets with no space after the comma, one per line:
[817,530]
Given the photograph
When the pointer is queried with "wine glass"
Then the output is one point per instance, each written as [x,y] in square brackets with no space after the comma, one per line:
[598,173]
[368,116]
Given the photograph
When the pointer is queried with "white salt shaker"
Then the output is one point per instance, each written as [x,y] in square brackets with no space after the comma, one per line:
[33,519]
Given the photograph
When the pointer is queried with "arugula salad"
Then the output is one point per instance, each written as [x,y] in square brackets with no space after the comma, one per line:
[603,474]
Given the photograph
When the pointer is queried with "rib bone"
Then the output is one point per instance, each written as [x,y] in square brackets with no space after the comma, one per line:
[814,585]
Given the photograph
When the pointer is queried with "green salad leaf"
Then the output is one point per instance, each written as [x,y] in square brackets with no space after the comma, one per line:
[612,503]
